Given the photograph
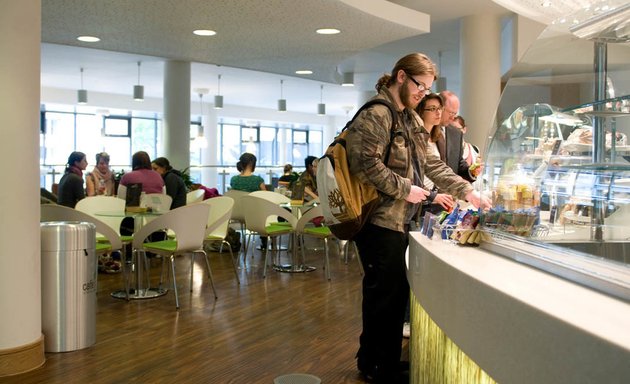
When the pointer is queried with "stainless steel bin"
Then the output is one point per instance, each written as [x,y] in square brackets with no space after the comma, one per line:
[69,271]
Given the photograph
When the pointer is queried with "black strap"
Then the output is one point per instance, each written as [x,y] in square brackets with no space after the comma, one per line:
[392,129]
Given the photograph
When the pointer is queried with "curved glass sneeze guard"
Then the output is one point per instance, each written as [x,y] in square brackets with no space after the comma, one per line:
[558,162]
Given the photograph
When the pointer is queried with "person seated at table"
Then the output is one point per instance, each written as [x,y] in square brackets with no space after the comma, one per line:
[175,186]
[151,181]
[288,177]
[246,180]
[101,180]
[308,178]
[71,184]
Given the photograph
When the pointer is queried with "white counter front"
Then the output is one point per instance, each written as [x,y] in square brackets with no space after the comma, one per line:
[519,324]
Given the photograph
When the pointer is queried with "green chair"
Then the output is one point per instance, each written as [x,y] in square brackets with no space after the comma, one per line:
[189,225]
[260,214]
[218,222]
[303,228]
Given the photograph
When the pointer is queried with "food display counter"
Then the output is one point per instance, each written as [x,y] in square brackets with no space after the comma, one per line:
[478,317]
[545,298]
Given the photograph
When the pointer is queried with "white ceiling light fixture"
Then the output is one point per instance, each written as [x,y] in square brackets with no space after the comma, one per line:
[321,107]
[347,79]
[82,96]
[88,39]
[204,32]
[303,72]
[200,140]
[327,31]
[282,102]
[138,90]
[218,99]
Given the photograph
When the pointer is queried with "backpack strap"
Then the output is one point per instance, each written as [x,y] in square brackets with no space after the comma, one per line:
[392,129]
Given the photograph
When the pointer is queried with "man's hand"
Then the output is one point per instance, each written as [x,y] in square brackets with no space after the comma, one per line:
[474,198]
[417,194]
[445,200]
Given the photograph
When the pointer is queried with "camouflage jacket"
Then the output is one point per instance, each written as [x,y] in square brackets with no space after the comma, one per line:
[367,140]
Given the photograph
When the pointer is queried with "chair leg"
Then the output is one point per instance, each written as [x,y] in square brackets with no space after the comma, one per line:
[234,262]
[192,269]
[326,262]
[172,261]
[265,260]
[209,274]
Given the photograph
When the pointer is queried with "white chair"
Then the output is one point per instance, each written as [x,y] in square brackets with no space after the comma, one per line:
[275,197]
[54,212]
[92,205]
[302,229]
[159,202]
[189,225]
[258,211]
[195,196]
[218,223]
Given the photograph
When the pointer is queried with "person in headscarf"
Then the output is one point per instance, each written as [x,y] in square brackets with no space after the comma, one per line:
[101,180]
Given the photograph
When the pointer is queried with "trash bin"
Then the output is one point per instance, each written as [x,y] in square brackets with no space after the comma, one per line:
[69,273]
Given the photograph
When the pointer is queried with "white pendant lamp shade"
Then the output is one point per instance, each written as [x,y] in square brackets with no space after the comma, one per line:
[218,101]
[200,140]
[321,107]
[218,98]
[82,96]
[282,103]
[138,90]
[347,79]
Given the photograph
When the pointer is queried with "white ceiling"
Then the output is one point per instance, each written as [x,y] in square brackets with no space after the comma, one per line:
[257,44]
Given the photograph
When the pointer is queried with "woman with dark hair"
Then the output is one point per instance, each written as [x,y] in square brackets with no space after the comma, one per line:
[247,181]
[71,184]
[430,110]
[101,180]
[175,186]
[142,173]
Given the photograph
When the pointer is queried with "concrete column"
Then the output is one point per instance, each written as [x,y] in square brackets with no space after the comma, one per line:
[176,127]
[21,340]
[480,63]
[210,155]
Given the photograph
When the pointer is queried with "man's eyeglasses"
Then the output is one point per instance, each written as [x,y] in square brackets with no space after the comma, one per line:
[433,109]
[421,86]
[453,114]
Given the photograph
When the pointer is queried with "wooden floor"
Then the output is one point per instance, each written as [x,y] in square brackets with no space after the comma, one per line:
[254,332]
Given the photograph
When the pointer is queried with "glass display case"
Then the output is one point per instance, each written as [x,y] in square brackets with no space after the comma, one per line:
[558,162]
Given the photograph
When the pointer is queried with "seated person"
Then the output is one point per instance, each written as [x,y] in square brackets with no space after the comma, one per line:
[142,173]
[308,178]
[288,177]
[175,186]
[71,184]
[246,180]
[101,180]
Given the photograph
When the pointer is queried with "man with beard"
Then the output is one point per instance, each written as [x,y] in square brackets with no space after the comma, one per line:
[384,238]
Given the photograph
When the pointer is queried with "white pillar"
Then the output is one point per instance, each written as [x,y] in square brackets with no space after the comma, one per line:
[210,155]
[480,63]
[21,341]
[177,113]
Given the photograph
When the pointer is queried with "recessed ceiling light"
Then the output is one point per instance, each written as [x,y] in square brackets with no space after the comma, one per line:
[304,72]
[88,39]
[204,32]
[328,31]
